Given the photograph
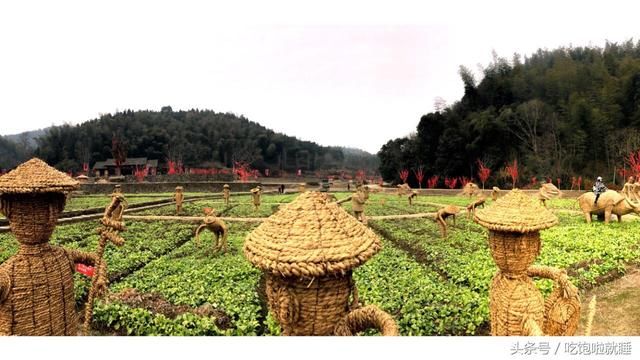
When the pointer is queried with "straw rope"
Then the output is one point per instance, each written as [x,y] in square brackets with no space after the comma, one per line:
[590,315]
[368,317]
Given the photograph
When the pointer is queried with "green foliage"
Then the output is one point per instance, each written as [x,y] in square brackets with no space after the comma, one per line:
[563,112]
[199,138]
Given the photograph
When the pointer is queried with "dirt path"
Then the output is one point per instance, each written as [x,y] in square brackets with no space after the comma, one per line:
[617,308]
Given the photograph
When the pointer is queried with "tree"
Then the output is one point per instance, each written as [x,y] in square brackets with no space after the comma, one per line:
[419,174]
[512,171]
[404,175]
[432,182]
[119,152]
[483,172]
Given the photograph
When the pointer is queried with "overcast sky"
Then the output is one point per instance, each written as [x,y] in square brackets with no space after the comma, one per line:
[352,74]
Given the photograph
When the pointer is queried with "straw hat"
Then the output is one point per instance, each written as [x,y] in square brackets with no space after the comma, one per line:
[179,188]
[310,237]
[254,190]
[516,212]
[35,176]
[225,186]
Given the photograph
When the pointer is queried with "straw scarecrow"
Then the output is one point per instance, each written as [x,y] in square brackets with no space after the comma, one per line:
[308,251]
[217,227]
[494,193]
[226,194]
[112,225]
[178,197]
[358,200]
[516,305]
[443,214]
[36,284]
[302,187]
[548,191]
[255,195]
[471,208]
[470,189]
[403,189]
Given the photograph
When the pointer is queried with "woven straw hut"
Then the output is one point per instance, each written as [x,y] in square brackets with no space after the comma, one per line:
[36,284]
[516,305]
[308,250]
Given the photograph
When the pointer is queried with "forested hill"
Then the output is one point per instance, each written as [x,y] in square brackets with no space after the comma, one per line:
[560,113]
[197,138]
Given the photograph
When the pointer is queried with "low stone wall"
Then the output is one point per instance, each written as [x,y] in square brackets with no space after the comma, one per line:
[157,187]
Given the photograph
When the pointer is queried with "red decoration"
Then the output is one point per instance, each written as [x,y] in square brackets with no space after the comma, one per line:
[483,172]
[464,181]
[432,182]
[512,170]
[419,175]
[85,269]
[534,181]
[140,173]
[404,175]
[558,179]
[633,159]
[451,182]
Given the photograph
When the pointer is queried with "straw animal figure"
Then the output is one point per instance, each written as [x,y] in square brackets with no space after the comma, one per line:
[36,284]
[517,307]
[412,195]
[548,191]
[471,208]
[226,194]
[443,214]
[178,197]
[112,225]
[470,189]
[494,193]
[217,227]
[403,189]
[308,251]
[255,195]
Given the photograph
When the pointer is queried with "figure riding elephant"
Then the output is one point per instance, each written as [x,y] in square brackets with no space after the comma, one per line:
[609,202]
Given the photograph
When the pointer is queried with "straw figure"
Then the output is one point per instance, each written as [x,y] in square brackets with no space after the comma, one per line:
[412,195]
[178,197]
[36,284]
[470,189]
[471,208]
[403,189]
[112,225]
[443,214]
[255,195]
[217,227]
[494,193]
[358,201]
[226,194]
[302,187]
[308,251]
[517,307]
[548,191]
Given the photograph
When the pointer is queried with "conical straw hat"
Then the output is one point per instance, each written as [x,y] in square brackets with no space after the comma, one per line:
[35,176]
[516,212]
[310,237]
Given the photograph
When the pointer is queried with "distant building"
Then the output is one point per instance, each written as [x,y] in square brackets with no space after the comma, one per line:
[108,167]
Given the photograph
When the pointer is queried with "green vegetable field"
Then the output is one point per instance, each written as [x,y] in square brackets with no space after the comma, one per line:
[161,283]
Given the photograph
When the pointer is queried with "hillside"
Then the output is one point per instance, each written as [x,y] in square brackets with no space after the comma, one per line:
[559,113]
[197,138]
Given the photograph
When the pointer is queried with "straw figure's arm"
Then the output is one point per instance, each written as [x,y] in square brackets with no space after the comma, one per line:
[5,285]
[562,306]
[87,258]
[344,200]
